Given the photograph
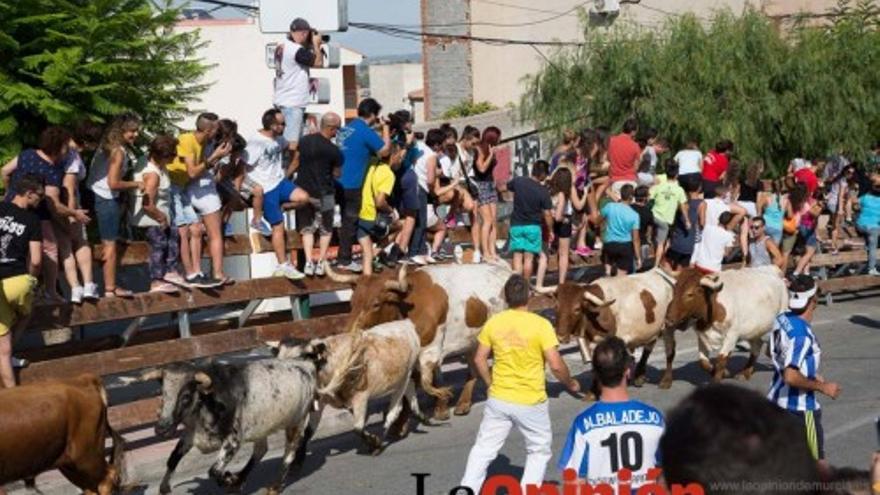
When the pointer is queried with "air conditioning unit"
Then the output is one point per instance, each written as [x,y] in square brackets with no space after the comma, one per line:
[606,7]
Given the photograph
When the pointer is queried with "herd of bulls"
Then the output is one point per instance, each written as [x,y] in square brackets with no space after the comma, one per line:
[401,328]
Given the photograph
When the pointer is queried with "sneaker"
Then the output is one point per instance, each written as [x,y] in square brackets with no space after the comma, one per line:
[309,269]
[584,251]
[206,282]
[192,279]
[20,362]
[319,269]
[90,291]
[228,231]
[262,227]
[874,271]
[431,260]
[76,295]
[287,270]
[477,257]
[419,260]
[164,288]
[176,279]
[353,267]
[458,253]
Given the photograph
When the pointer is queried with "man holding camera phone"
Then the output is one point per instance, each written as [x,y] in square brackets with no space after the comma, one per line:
[293,58]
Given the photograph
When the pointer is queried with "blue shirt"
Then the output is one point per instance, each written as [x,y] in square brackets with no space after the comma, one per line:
[609,436]
[870,214]
[358,143]
[793,345]
[620,221]
[30,163]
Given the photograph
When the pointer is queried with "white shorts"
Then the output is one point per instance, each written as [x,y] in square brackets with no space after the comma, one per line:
[204,199]
[433,219]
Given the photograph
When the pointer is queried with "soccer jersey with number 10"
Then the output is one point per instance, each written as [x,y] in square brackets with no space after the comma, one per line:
[609,436]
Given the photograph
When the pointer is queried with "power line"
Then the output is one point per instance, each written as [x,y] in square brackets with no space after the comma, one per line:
[410,34]
[496,24]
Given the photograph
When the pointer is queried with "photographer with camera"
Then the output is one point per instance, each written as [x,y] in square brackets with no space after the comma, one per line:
[293,59]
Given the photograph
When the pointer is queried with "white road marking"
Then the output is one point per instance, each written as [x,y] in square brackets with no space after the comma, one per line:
[851,425]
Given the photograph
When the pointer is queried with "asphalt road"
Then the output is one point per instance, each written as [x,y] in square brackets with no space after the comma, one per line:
[849,333]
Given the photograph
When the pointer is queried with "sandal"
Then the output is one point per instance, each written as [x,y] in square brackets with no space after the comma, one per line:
[165,288]
[118,292]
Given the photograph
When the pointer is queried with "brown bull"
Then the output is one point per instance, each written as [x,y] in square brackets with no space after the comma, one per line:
[59,424]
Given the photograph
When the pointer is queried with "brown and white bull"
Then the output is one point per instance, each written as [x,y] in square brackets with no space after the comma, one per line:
[359,366]
[632,308]
[448,304]
[59,424]
[725,308]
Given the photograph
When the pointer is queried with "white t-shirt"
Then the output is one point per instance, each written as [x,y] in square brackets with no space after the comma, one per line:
[465,160]
[421,166]
[710,247]
[714,208]
[291,78]
[689,161]
[97,179]
[265,158]
[447,167]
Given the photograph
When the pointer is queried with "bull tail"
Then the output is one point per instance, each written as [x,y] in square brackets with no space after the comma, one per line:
[426,380]
[348,373]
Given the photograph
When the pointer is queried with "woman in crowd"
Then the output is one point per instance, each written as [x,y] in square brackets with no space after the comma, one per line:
[868,222]
[749,188]
[44,163]
[74,248]
[837,202]
[590,160]
[109,165]
[153,213]
[465,151]
[488,195]
[690,163]
[771,206]
[561,189]
[803,210]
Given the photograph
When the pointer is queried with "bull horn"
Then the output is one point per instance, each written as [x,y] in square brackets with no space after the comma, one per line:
[203,380]
[547,291]
[399,285]
[273,344]
[712,282]
[596,301]
[339,277]
[152,374]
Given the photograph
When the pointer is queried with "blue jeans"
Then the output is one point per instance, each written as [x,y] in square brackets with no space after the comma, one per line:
[417,244]
[871,234]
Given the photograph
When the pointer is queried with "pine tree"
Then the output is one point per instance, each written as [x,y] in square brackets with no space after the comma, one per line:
[778,92]
[64,60]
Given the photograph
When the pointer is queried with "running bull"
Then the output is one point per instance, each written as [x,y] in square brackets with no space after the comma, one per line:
[223,405]
[448,304]
[724,307]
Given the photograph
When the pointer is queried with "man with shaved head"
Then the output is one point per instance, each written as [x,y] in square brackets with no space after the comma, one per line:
[319,160]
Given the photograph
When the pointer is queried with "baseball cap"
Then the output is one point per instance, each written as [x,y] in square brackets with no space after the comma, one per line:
[300,24]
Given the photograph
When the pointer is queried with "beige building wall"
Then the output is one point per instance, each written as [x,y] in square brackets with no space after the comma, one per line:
[391,84]
[498,71]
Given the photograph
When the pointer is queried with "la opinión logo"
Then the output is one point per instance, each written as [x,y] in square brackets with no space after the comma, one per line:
[571,485]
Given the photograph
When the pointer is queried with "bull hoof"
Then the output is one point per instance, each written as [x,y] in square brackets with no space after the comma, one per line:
[665,383]
[462,409]
[399,433]
[639,381]
[164,489]
[231,480]
[745,375]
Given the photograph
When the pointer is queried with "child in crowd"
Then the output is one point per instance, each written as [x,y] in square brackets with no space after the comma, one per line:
[376,214]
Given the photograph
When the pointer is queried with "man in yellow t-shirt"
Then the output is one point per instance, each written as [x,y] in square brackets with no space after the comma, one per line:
[522,343]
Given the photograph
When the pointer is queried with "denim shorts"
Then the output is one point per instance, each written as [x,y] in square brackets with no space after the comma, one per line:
[293,120]
[486,192]
[272,210]
[409,191]
[109,215]
[808,235]
[184,214]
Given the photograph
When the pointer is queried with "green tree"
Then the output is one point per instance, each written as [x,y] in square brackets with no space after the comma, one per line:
[466,108]
[777,93]
[64,60]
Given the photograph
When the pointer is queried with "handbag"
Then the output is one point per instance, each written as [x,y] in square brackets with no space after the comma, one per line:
[790,225]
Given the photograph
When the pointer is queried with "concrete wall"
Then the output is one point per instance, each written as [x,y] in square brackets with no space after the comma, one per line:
[390,84]
[241,86]
[448,77]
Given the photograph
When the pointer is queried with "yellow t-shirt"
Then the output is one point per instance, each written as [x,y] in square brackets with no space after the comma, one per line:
[518,340]
[187,146]
[379,179]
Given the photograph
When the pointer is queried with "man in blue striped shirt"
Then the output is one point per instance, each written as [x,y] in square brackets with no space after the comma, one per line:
[616,432]
[796,354]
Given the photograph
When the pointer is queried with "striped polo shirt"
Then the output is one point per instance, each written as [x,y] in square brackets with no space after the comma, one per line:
[793,345]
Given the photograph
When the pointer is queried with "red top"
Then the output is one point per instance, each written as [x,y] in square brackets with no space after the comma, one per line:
[714,165]
[623,153]
[808,178]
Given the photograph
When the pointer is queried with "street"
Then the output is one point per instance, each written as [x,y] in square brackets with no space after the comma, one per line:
[849,333]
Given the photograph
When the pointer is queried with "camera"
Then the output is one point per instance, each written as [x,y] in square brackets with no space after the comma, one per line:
[324,37]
